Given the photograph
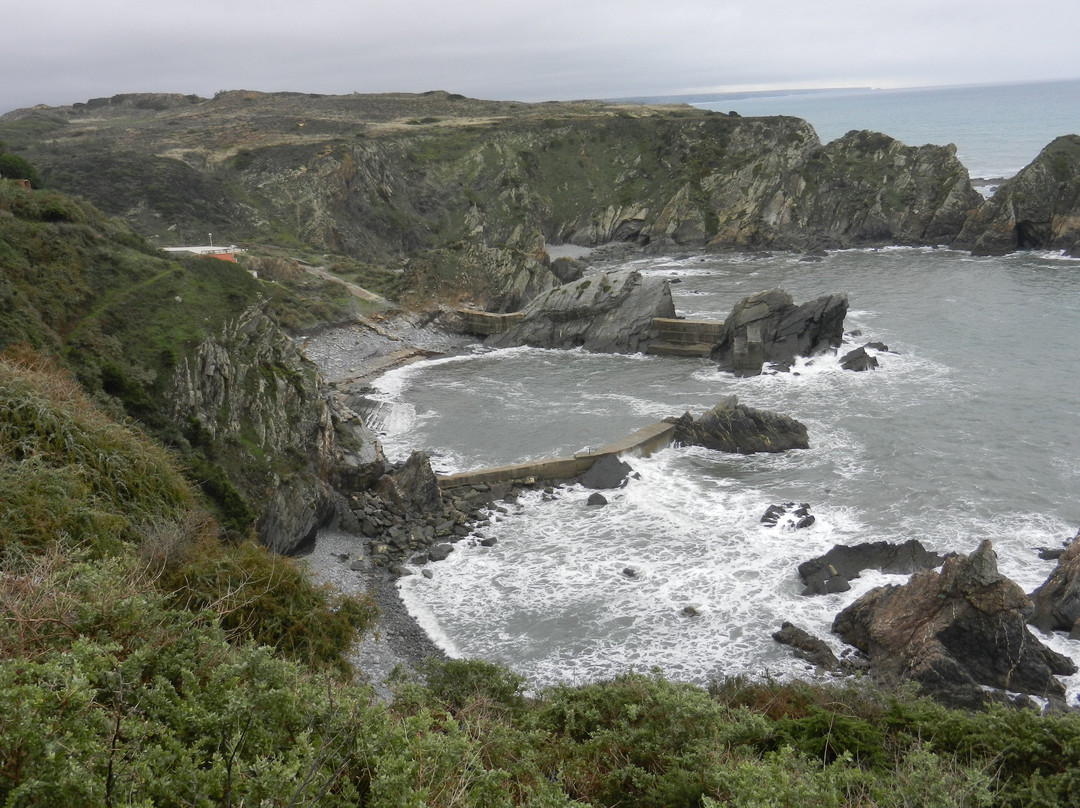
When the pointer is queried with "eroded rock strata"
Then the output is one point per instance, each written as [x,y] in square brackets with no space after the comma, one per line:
[955,633]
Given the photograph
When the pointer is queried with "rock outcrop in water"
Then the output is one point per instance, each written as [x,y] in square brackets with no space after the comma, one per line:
[955,633]
[734,427]
[769,327]
[609,312]
[1037,209]
[820,574]
[1057,602]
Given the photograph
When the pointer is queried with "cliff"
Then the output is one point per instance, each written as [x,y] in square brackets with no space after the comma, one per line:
[463,195]
[1038,209]
[192,352]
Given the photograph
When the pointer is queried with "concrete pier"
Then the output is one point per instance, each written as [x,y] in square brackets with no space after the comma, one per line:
[643,442]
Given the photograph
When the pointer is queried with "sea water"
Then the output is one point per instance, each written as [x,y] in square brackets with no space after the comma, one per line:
[969,430]
[997,128]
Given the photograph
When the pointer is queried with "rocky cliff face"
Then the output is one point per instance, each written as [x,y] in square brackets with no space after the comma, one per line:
[464,194]
[260,407]
[609,312]
[1037,209]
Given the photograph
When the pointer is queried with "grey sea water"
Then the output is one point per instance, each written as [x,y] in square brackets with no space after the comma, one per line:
[969,430]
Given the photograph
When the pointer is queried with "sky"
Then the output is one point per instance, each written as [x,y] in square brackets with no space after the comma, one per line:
[57,52]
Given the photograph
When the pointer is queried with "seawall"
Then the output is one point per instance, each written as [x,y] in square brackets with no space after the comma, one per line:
[642,442]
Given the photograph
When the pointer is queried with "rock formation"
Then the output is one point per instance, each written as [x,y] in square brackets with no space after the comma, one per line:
[955,633]
[1038,209]
[819,574]
[609,312]
[806,646]
[769,327]
[248,393]
[1057,602]
[734,427]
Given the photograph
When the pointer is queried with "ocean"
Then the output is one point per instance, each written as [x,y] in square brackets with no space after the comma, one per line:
[969,430]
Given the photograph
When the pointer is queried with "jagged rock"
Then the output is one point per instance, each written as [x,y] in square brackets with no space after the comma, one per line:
[610,312]
[819,574]
[1057,602]
[955,633]
[769,327]
[413,486]
[806,646]
[800,516]
[734,427]
[252,380]
[607,472]
[858,360]
[1038,209]
[567,270]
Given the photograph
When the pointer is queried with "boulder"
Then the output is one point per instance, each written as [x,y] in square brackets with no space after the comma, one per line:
[607,472]
[846,562]
[734,427]
[769,327]
[955,633]
[609,312]
[1057,602]
[858,360]
[813,649]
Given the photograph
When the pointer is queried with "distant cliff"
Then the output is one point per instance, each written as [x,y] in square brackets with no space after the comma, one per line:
[464,194]
[1037,209]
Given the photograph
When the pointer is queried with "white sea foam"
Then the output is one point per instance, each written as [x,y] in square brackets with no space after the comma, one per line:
[939,444]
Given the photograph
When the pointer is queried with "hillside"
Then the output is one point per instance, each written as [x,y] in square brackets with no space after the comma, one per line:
[465,194]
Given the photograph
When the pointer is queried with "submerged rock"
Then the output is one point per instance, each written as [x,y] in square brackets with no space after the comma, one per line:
[607,472]
[955,633]
[769,327]
[734,427]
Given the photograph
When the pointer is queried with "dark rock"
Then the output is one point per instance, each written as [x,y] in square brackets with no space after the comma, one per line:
[607,472]
[412,487]
[488,541]
[610,312]
[690,611]
[848,562]
[734,427]
[427,574]
[878,346]
[1057,601]
[858,360]
[769,327]
[800,516]
[1038,209]
[813,649]
[630,572]
[1050,553]
[955,633]
[439,552]
[567,270]
[597,499]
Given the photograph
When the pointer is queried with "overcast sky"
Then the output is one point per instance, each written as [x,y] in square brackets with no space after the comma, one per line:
[57,52]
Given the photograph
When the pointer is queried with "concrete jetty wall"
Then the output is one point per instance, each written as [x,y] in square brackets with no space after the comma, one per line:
[643,442]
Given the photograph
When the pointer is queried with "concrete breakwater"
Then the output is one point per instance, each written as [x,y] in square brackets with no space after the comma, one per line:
[642,442]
